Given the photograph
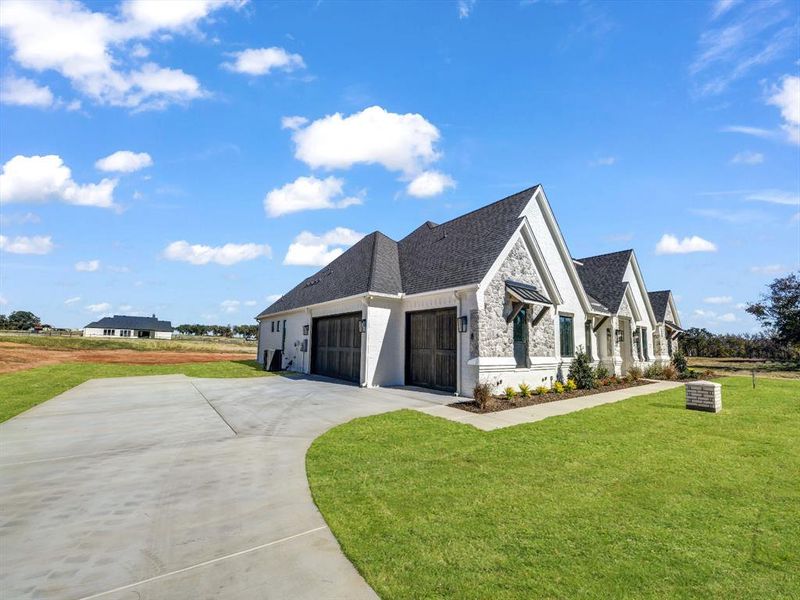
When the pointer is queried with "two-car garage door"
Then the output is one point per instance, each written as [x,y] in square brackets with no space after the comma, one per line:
[336,347]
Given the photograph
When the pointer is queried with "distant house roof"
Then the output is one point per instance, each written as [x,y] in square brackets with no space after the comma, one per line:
[602,275]
[127,322]
[432,257]
[659,301]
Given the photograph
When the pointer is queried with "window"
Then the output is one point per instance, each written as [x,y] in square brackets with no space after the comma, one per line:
[272,325]
[125,333]
[609,342]
[279,326]
[567,335]
[588,333]
[109,332]
[521,338]
[669,345]
[644,343]
[638,340]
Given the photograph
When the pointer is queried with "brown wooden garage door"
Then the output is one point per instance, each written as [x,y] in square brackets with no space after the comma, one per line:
[336,347]
[431,349]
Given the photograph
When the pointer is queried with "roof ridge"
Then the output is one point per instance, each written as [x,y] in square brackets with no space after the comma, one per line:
[485,206]
[604,254]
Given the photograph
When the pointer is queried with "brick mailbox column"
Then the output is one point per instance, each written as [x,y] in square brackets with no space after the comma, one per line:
[704,395]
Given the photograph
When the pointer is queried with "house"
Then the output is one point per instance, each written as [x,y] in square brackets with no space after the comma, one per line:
[668,326]
[493,295]
[129,327]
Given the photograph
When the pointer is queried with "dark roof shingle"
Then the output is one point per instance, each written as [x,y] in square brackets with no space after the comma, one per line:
[130,322]
[432,257]
[659,301]
[602,275]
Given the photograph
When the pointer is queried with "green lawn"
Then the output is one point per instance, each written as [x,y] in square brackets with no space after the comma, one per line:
[639,499]
[21,390]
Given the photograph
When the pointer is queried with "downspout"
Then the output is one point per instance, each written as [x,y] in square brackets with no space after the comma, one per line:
[459,369]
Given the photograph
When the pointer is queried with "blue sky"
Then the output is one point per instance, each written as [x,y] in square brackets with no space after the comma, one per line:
[195,159]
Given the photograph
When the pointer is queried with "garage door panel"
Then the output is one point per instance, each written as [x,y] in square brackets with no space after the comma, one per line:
[431,349]
[336,347]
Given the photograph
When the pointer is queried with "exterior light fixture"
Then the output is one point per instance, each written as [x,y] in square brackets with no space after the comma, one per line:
[462,324]
[305,329]
[619,335]
[362,326]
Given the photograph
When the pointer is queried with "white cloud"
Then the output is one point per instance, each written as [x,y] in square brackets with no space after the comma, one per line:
[21,91]
[718,300]
[3,300]
[19,218]
[273,298]
[758,132]
[230,306]
[465,8]
[87,265]
[44,178]
[293,123]
[250,303]
[100,307]
[260,61]
[403,143]
[124,161]
[313,250]
[747,158]
[669,244]
[125,308]
[774,197]
[429,183]
[727,318]
[721,7]
[93,50]
[308,193]
[229,254]
[72,300]
[711,317]
[605,161]
[37,244]
[786,97]
[767,269]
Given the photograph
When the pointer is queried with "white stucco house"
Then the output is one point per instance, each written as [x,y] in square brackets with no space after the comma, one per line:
[493,295]
[124,326]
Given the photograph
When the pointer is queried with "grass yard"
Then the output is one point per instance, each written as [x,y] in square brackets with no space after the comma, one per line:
[639,499]
[21,390]
[91,343]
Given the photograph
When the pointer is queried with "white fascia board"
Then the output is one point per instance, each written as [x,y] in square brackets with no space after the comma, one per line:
[563,250]
[310,306]
[637,315]
[643,290]
[674,308]
[451,290]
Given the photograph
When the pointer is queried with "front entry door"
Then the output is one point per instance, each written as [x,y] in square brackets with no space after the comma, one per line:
[431,349]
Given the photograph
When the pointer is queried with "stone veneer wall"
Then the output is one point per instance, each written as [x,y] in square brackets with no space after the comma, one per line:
[494,336]
[704,395]
[625,309]
[659,342]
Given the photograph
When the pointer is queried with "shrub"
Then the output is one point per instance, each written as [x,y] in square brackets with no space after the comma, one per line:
[679,361]
[524,390]
[634,374]
[601,372]
[541,390]
[558,387]
[571,385]
[509,393]
[670,372]
[654,371]
[482,393]
[581,372]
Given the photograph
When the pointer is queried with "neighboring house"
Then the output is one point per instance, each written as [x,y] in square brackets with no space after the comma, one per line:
[669,324]
[129,327]
[493,295]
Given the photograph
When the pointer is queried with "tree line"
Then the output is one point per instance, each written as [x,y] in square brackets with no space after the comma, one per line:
[19,320]
[247,331]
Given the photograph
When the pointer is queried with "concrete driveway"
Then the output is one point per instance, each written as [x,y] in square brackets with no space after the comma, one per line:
[173,487]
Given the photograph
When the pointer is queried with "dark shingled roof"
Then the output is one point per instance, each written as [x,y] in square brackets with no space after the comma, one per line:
[659,301]
[432,257]
[601,277]
[126,322]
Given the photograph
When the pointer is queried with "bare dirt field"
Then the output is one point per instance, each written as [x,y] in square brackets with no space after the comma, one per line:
[18,357]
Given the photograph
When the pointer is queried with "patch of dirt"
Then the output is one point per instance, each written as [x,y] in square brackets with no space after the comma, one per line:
[503,403]
[18,357]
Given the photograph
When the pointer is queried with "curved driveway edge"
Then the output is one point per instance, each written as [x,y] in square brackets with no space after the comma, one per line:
[176,487]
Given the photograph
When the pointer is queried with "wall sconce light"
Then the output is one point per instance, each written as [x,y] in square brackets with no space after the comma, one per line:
[619,335]
[305,329]
[362,326]
[462,324]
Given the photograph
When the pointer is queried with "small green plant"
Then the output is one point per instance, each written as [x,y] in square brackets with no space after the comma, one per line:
[571,385]
[510,393]
[482,393]
[524,390]
[581,371]
[558,387]
[679,361]
[601,372]
[654,371]
[541,390]
[634,374]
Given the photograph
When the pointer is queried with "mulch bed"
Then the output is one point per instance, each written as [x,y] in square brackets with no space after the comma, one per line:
[502,403]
